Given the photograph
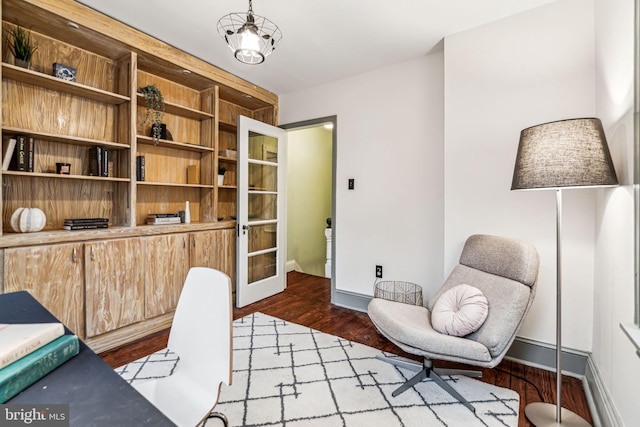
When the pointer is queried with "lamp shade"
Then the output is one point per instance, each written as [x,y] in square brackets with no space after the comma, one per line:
[561,154]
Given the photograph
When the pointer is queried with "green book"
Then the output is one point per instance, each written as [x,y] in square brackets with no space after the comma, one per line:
[25,371]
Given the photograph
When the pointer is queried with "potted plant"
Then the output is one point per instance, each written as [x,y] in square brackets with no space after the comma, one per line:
[20,44]
[221,171]
[155,110]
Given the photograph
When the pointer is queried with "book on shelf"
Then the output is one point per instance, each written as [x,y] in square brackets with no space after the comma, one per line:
[19,159]
[19,339]
[87,226]
[25,371]
[163,215]
[140,168]
[95,157]
[104,171]
[168,220]
[9,147]
[31,143]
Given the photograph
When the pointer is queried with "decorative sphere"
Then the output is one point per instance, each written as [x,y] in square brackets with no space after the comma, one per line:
[28,220]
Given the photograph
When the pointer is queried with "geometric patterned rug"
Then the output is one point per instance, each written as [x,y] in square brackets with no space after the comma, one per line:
[289,375]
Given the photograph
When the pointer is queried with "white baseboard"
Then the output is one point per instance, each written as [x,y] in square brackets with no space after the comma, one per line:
[603,410]
[292,265]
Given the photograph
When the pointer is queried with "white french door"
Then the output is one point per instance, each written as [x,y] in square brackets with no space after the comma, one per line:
[262,208]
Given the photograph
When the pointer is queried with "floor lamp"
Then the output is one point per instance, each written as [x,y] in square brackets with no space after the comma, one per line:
[558,155]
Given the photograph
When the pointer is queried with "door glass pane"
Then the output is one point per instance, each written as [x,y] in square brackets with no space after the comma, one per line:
[263,177]
[262,237]
[262,266]
[262,206]
[262,147]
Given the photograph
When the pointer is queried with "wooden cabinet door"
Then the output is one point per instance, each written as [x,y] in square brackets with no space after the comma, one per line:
[114,284]
[53,275]
[215,249]
[166,266]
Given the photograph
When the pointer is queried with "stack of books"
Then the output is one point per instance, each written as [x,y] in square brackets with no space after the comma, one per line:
[85,223]
[163,218]
[28,352]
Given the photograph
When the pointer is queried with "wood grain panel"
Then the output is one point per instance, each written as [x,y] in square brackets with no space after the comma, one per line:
[125,195]
[152,199]
[171,91]
[229,112]
[215,249]
[265,115]
[47,154]
[165,269]
[182,129]
[58,198]
[228,140]
[114,284]
[164,164]
[226,203]
[42,110]
[54,276]
[91,69]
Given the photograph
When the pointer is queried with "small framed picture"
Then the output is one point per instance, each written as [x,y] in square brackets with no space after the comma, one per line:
[64,72]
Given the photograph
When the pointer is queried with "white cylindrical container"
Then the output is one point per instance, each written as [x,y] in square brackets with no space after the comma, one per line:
[187,213]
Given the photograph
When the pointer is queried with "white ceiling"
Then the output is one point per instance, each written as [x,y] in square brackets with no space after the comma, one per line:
[323,40]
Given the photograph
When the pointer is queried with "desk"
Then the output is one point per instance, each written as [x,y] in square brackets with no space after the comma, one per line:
[96,395]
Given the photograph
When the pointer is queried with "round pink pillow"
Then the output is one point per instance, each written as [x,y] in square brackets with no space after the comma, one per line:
[460,311]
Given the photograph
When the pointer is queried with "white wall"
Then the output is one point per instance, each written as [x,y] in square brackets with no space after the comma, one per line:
[568,59]
[613,353]
[500,78]
[308,197]
[389,139]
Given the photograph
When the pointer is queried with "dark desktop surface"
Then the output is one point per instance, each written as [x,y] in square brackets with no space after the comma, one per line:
[96,395]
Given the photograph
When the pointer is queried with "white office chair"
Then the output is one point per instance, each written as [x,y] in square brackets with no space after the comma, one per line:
[201,337]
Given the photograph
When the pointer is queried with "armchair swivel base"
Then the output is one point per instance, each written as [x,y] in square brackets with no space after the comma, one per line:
[426,370]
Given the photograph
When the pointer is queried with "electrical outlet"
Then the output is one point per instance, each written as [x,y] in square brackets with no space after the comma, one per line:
[379,271]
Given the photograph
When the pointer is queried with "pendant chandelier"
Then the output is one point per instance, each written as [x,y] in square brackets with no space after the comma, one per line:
[250,37]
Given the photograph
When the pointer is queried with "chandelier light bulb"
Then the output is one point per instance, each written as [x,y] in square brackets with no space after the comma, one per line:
[250,37]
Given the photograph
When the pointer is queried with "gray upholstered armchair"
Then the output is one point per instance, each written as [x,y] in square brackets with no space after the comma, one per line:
[505,271]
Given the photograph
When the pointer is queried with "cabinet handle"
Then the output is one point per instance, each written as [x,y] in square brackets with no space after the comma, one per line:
[184,243]
[74,255]
[92,255]
[194,241]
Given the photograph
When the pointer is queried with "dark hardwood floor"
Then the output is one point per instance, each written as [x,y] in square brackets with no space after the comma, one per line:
[306,301]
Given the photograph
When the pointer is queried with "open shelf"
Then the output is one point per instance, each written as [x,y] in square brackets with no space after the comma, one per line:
[53,83]
[179,110]
[147,140]
[172,184]
[60,176]
[227,159]
[67,139]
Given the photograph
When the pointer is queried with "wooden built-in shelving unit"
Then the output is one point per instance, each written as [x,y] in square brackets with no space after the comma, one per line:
[102,108]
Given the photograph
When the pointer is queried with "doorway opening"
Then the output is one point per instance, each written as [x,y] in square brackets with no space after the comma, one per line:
[311,228]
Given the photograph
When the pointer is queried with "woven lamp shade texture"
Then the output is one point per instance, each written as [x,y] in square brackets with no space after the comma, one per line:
[566,153]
